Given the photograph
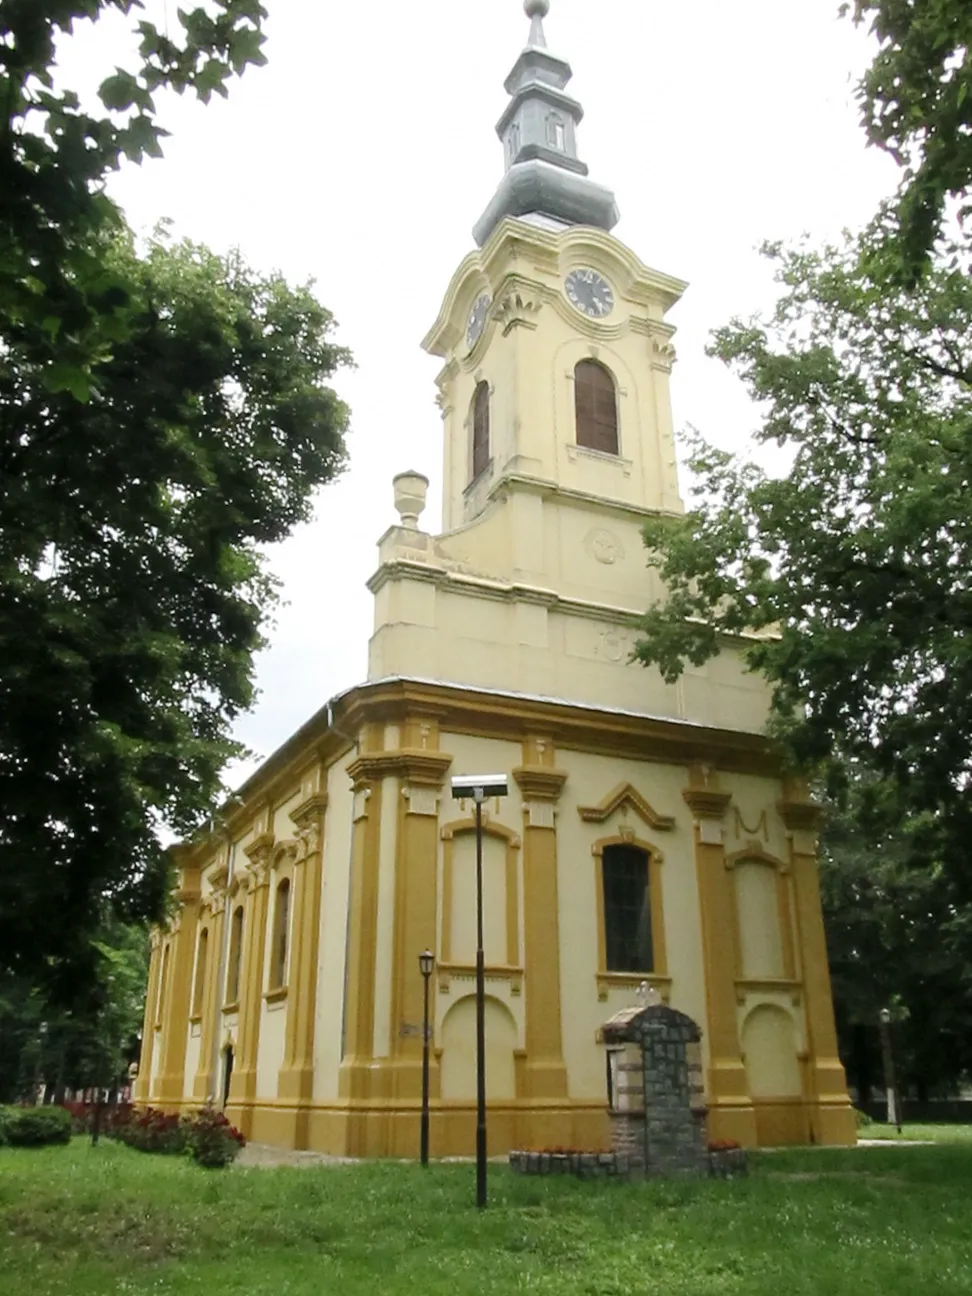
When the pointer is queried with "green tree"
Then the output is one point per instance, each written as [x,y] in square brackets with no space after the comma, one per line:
[55,157]
[917,103]
[132,590]
[87,1041]
[162,416]
[897,938]
[844,579]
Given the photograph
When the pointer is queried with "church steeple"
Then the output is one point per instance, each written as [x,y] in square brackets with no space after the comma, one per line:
[545,180]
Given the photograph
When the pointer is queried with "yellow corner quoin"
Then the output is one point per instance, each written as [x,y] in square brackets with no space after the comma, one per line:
[648,840]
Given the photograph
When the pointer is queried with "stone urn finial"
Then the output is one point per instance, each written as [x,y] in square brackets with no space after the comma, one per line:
[411,489]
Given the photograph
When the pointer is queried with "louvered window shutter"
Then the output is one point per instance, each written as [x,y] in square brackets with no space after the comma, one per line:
[597,407]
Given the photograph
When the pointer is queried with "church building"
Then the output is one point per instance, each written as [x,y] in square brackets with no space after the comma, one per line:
[649,842]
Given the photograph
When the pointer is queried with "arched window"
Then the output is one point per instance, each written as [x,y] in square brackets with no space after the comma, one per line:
[596,404]
[628,944]
[199,985]
[480,429]
[556,133]
[235,956]
[163,987]
[514,141]
[281,925]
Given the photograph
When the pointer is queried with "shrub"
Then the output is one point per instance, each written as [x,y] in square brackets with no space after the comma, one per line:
[862,1118]
[211,1139]
[36,1126]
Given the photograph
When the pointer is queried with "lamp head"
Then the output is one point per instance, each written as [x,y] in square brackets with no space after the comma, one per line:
[479,787]
[426,963]
[885,1015]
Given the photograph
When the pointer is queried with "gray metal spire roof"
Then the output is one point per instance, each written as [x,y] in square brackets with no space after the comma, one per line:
[544,178]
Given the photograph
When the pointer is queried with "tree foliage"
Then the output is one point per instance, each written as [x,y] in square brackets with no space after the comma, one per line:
[162,415]
[847,576]
[86,1040]
[917,103]
[898,937]
[55,157]
[132,591]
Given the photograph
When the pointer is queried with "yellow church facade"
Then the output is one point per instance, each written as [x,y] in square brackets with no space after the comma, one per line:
[648,837]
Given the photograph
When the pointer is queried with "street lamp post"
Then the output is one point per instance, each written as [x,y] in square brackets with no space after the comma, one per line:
[426,964]
[890,1079]
[479,787]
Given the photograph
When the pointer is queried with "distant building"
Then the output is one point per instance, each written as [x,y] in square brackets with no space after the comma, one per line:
[649,837]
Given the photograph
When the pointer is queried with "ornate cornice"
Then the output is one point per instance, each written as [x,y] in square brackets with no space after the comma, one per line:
[623,796]
[539,782]
[801,816]
[309,810]
[259,848]
[705,803]
[413,765]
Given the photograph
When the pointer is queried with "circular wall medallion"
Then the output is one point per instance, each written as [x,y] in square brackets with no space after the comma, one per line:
[604,547]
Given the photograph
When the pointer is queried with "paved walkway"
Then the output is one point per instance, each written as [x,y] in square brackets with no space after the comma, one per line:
[265,1157]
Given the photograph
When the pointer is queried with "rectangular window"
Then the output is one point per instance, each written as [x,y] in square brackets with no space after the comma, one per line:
[627,910]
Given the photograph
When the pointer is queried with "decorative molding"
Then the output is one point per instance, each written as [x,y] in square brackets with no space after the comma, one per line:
[575,452]
[448,972]
[539,782]
[540,814]
[662,355]
[517,308]
[706,803]
[753,853]
[623,797]
[607,981]
[422,801]
[412,765]
[604,546]
[761,828]
[801,816]
[259,848]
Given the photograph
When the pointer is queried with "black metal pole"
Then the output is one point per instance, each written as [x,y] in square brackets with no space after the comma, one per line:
[425,1076]
[480,1016]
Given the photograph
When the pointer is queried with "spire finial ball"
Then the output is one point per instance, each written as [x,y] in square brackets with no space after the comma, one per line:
[536,8]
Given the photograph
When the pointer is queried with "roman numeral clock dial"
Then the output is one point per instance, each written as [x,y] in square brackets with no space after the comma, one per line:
[590,293]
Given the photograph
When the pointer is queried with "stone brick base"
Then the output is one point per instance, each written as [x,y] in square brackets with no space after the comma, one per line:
[728,1163]
[723,1163]
[582,1165]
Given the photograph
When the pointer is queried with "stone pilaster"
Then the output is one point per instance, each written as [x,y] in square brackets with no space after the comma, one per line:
[141,1089]
[244,1080]
[356,1073]
[175,1012]
[296,1078]
[731,1114]
[204,1085]
[540,784]
[831,1114]
[422,770]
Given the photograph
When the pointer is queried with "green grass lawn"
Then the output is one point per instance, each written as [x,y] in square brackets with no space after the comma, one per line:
[874,1222]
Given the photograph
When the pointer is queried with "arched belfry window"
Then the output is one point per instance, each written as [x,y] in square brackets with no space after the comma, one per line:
[596,402]
[480,429]
[556,133]
[281,928]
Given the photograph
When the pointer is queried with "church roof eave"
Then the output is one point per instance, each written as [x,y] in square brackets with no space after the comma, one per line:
[535,186]
[549,94]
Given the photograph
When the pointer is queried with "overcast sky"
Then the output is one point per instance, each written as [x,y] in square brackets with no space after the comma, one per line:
[363,153]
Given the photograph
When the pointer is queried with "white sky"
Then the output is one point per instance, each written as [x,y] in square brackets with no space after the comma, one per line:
[363,154]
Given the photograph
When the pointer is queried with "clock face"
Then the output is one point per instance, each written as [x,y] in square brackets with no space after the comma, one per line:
[477,320]
[590,293]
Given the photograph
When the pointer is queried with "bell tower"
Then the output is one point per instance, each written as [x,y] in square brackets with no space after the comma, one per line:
[557,434]
[556,350]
